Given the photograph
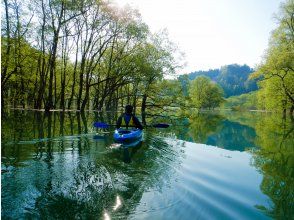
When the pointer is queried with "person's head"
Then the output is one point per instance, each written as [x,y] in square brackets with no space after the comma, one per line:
[129,109]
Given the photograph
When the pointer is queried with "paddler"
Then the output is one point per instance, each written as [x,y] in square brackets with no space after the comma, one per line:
[128,119]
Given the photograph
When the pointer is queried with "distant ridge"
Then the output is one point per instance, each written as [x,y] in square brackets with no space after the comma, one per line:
[233,78]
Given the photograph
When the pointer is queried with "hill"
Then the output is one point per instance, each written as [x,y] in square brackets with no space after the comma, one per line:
[233,78]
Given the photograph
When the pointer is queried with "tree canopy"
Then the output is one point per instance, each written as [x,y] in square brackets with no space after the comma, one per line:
[277,69]
[204,93]
[81,55]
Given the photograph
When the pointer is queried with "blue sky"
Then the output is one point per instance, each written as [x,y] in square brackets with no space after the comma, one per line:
[212,33]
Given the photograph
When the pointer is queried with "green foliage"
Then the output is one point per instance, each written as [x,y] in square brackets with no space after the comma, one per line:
[166,96]
[203,125]
[17,68]
[275,159]
[277,70]
[234,79]
[204,93]
[246,101]
[88,54]
[271,96]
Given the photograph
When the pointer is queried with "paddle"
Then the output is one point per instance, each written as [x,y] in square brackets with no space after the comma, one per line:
[160,125]
[101,125]
[104,125]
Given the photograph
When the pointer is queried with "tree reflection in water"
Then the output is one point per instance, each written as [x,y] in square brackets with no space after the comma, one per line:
[56,168]
[275,159]
[69,174]
[269,137]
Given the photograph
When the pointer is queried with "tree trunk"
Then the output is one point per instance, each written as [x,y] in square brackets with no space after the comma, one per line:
[135,99]
[43,70]
[49,103]
[74,76]
[87,92]
[52,60]
[7,52]
[292,112]
[62,96]
[143,109]
[63,74]
[101,103]
[79,99]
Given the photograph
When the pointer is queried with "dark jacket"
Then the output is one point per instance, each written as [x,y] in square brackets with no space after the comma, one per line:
[125,121]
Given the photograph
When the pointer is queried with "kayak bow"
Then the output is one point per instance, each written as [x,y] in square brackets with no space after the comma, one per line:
[123,135]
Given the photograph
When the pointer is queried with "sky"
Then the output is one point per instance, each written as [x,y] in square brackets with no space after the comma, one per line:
[212,33]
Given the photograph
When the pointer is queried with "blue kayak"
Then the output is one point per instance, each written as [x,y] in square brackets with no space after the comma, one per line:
[125,136]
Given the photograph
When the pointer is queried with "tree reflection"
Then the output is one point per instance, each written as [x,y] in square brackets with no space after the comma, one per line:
[72,175]
[220,131]
[84,177]
[275,159]
[90,187]
[203,125]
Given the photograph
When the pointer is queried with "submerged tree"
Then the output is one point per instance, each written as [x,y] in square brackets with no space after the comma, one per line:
[204,93]
[277,70]
[79,54]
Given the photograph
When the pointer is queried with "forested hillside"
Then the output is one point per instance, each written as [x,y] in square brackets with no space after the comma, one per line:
[234,78]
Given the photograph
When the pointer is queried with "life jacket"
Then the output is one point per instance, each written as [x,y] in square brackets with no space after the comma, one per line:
[125,124]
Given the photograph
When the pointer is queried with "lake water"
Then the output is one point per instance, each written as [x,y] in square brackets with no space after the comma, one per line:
[211,166]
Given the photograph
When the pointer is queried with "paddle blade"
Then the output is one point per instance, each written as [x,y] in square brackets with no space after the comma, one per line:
[161,125]
[100,125]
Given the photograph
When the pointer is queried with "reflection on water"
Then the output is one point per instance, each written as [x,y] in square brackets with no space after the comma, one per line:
[218,131]
[59,166]
[275,160]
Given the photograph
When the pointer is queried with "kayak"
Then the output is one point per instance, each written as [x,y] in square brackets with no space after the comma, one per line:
[126,136]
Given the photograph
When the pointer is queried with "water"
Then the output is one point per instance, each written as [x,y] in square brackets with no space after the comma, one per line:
[211,166]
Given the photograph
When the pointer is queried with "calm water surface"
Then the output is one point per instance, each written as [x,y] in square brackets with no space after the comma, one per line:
[210,166]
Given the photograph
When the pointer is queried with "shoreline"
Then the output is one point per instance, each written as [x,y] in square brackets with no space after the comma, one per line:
[76,110]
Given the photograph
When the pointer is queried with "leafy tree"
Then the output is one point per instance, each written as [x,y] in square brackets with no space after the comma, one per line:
[80,54]
[155,60]
[204,93]
[165,98]
[277,69]
[17,56]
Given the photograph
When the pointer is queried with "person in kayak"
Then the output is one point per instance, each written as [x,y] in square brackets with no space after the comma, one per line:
[128,119]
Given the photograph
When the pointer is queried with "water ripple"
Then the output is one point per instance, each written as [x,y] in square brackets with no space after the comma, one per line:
[205,185]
